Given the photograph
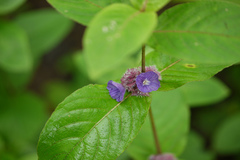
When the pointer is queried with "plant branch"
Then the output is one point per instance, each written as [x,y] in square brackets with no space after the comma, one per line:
[150,109]
[144,6]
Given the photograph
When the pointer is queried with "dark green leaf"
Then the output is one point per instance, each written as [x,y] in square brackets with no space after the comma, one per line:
[21,118]
[171,117]
[14,48]
[205,92]
[227,136]
[82,11]
[205,32]
[113,35]
[7,6]
[176,73]
[89,124]
[195,149]
[48,30]
[149,5]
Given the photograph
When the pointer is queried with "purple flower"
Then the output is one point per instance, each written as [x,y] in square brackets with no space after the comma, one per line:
[148,81]
[116,90]
[166,156]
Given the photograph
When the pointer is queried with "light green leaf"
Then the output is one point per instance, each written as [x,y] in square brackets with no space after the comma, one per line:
[205,32]
[7,6]
[176,73]
[48,30]
[171,117]
[114,73]
[227,136]
[89,124]
[149,5]
[195,148]
[14,48]
[82,11]
[205,92]
[113,35]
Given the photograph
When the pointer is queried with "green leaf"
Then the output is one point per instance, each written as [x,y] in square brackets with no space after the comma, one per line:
[227,135]
[205,92]
[89,124]
[14,48]
[181,1]
[149,5]
[82,11]
[205,32]
[176,73]
[113,35]
[110,73]
[48,30]
[31,156]
[7,6]
[171,116]
[21,119]
[195,148]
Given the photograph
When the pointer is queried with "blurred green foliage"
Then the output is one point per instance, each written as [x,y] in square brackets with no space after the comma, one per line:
[27,99]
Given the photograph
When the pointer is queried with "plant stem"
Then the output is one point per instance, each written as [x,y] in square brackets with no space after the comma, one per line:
[154,131]
[150,109]
[143,58]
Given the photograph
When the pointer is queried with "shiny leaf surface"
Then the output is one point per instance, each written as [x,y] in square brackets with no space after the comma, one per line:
[89,124]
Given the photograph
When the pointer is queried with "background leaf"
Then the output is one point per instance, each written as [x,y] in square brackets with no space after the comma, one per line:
[82,11]
[7,6]
[205,92]
[227,135]
[150,5]
[205,32]
[48,30]
[90,124]
[14,48]
[21,119]
[114,34]
[181,1]
[182,72]
[195,148]
[171,117]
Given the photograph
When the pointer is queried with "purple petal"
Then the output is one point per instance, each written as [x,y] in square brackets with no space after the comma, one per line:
[116,90]
[147,82]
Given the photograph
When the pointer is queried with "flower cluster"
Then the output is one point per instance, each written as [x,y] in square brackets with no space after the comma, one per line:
[166,156]
[139,84]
